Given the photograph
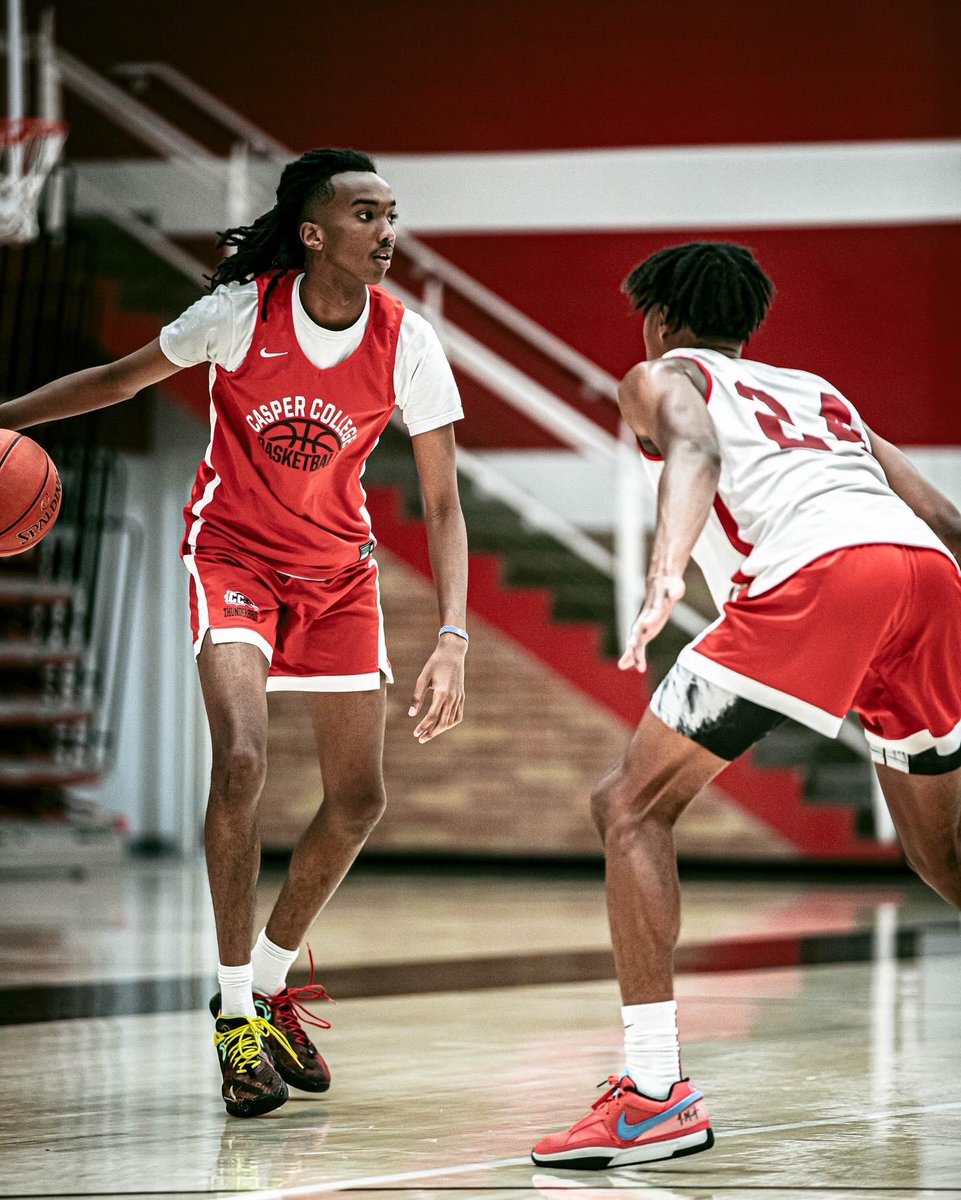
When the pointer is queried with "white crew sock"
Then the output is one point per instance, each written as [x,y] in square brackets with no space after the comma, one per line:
[236,995]
[271,964]
[651,1050]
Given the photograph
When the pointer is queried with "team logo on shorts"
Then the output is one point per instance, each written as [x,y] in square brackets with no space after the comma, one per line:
[236,604]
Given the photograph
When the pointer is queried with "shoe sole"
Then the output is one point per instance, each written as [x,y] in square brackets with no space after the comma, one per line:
[255,1108]
[595,1158]
[301,1085]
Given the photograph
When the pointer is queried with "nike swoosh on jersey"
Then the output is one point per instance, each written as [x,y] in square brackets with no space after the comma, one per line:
[627,1130]
[272,353]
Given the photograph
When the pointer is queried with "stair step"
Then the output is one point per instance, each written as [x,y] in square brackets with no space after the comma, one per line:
[845,784]
[38,773]
[19,654]
[507,539]
[551,566]
[31,710]
[62,845]
[25,589]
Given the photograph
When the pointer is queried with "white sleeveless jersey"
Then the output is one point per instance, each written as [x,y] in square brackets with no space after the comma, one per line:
[798,479]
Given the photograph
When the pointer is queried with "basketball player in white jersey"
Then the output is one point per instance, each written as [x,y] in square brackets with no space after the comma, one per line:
[307,357]
[830,559]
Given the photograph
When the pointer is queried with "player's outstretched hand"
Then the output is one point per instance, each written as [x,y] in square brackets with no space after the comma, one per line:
[443,677]
[663,592]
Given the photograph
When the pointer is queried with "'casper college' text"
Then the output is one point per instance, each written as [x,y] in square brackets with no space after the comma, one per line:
[301,434]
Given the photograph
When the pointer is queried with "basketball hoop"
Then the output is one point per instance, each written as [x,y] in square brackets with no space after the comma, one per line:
[29,148]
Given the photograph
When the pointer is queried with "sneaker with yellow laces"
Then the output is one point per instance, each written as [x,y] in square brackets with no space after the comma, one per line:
[252,1085]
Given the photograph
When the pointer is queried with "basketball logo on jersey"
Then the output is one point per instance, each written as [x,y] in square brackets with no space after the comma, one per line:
[300,437]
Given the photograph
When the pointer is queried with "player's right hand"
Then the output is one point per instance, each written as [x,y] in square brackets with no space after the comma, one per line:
[663,592]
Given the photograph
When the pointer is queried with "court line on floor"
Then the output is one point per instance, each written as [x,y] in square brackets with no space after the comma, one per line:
[371,1181]
[366,1183]
[32,1003]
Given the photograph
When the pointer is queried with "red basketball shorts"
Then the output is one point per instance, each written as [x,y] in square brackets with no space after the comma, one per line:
[318,635]
[876,629]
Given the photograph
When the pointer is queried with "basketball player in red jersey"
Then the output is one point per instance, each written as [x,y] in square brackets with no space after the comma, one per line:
[830,559]
[308,356]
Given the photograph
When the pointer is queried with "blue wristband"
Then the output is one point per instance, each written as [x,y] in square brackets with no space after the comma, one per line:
[455,629]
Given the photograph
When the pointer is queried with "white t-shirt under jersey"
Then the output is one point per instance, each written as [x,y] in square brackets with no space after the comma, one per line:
[220,327]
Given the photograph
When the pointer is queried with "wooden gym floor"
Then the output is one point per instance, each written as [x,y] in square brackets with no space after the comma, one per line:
[477,1011]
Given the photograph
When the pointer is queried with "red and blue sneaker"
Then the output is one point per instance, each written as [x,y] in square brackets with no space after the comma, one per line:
[625,1127]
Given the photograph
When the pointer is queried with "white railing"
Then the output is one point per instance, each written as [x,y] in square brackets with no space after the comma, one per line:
[538,404]
[586,438]
[625,566]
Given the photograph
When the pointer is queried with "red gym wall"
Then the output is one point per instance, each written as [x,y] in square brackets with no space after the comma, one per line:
[872,308]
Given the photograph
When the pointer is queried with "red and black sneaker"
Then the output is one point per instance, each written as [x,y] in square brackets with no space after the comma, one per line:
[252,1085]
[303,1067]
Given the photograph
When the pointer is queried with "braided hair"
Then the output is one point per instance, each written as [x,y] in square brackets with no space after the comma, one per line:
[715,289]
[273,242]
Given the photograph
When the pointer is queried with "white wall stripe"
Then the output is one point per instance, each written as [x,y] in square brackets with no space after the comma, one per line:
[857,183]
[676,187]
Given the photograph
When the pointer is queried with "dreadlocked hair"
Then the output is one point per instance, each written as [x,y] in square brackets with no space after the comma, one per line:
[715,289]
[273,242]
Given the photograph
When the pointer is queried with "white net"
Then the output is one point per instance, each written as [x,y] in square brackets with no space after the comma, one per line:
[30,149]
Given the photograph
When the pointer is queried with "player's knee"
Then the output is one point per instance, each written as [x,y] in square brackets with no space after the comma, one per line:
[940,871]
[360,808]
[239,770]
[603,803]
[946,883]
[619,811]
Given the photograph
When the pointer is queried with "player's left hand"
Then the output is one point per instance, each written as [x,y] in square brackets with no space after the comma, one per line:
[443,676]
[663,592]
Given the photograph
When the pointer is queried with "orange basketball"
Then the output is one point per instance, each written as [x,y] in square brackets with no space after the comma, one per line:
[29,493]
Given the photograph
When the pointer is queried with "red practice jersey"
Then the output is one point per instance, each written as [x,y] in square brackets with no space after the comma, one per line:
[281,478]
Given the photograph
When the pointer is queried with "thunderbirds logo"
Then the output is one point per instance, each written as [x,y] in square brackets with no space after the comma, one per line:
[237,604]
[300,435]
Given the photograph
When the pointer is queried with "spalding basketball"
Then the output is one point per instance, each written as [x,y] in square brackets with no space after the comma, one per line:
[29,493]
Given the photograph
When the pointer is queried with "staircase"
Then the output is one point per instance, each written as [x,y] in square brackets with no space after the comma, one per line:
[58,659]
[541,581]
[814,792]
[561,612]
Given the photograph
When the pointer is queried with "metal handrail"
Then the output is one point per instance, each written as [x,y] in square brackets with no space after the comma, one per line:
[144,232]
[625,566]
[211,105]
[536,402]
[136,118]
[596,381]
